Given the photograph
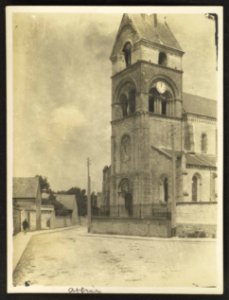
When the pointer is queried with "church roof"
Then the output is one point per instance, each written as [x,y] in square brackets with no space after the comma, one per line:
[25,187]
[200,160]
[192,159]
[159,33]
[199,105]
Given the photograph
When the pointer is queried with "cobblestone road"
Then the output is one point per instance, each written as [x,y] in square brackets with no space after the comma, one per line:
[70,257]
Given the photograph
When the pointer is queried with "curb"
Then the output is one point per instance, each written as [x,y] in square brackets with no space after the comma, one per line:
[135,237]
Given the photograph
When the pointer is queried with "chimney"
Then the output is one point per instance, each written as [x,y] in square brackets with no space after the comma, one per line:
[155,20]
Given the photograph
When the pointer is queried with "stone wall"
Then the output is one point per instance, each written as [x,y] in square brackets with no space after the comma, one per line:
[207,187]
[16,220]
[200,126]
[196,217]
[125,226]
[62,221]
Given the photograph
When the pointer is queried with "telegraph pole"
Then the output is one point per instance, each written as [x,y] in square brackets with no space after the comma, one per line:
[173,208]
[88,196]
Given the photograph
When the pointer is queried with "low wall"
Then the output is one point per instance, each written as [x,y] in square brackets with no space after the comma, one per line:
[62,221]
[196,218]
[16,220]
[126,226]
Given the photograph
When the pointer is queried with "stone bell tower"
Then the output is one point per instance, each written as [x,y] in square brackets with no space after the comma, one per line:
[146,100]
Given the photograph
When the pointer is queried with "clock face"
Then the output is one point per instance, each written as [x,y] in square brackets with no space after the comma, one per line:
[161,87]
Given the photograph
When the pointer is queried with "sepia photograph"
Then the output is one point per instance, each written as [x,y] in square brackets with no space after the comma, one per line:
[114,130]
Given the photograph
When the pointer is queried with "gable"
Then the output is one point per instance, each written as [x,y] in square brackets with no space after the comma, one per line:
[25,187]
[127,31]
[145,27]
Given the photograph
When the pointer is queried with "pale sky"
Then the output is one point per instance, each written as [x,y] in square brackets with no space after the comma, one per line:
[62,89]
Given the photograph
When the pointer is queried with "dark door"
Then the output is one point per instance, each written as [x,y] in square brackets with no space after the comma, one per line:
[129,204]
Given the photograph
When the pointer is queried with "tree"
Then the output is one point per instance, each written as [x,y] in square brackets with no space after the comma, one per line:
[44,184]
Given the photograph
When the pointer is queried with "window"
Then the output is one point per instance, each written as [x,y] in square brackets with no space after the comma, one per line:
[196,183]
[164,189]
[163,107]
[132,101]
[124,105]
[162,59]
[160,103]
[127,53]
[152,100]
[127,99]
[204,143]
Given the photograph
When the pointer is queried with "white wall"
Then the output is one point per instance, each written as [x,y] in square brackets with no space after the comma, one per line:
[196,213]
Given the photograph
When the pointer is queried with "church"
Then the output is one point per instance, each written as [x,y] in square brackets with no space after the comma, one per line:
[163,176]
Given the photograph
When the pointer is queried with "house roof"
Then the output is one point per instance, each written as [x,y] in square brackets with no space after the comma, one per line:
[68,201]
[199,105]
[200,160]
[25,187]
[160,34]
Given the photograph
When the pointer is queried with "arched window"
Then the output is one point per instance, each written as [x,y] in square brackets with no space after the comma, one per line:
[204,143]
[164,189]
[162,59]
[132,101]
[126,195]
[127,53]
[163,107]
[124,105]
[152,100]
[196,183]
[214,187]
[161,100]
[127,99]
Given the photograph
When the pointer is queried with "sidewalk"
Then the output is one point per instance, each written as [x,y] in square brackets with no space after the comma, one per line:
[21,240]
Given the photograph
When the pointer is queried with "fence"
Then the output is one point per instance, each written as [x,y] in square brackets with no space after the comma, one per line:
[153,210]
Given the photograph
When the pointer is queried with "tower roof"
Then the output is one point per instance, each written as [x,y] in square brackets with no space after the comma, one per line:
[148,27]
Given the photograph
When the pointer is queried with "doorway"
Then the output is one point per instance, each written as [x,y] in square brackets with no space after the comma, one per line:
[129,204]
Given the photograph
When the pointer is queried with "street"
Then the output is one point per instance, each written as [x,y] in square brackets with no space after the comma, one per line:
[74,258]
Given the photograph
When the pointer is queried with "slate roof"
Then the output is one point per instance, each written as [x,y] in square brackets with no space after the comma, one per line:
[25,187]
[199,105]
[192,159]
[66,200]
[144,26]
[160,34]
[200,160]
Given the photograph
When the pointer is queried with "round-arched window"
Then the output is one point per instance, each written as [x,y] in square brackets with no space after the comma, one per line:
[127,99]
[162,59]
[127,53]
[161,98]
